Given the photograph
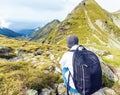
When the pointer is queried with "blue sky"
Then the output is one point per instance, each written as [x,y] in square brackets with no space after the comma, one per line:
[42,11]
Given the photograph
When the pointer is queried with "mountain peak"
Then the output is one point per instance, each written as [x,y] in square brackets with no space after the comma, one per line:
[55,20]
[44,31]
[91,23]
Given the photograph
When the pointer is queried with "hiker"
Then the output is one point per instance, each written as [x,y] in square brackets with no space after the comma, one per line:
[81,73]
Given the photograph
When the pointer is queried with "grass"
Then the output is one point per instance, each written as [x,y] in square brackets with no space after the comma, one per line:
[34,72]
[15,76]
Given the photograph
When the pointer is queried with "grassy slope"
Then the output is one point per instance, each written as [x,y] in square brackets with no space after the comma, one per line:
[16,77]
[44,31]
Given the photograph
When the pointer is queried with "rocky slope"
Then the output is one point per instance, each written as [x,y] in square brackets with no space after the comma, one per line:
[44,31]
[28,65]
[116,18]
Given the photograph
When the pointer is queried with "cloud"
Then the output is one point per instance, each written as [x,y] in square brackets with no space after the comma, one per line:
[43,10]
[109,5]
[4,24]
[37,9]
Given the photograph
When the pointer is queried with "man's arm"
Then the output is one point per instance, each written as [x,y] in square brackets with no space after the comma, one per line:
[62,61]
[60,67]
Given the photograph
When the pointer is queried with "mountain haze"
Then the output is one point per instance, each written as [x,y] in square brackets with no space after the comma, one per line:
[92,24]
[8,32]
[26,32]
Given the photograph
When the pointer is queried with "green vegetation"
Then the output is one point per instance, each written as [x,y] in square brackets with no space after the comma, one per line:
[35,72]
[16,77]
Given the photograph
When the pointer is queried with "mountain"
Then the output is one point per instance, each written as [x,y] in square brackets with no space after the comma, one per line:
[93,25]
[116,18]
[43,32]
[9,33]
[26,32]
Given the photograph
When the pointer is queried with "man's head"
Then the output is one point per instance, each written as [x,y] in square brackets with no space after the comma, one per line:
[72,40]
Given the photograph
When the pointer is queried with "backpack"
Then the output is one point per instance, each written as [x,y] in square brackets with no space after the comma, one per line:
[87,73]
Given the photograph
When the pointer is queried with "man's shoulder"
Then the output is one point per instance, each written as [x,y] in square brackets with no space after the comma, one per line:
[67,53]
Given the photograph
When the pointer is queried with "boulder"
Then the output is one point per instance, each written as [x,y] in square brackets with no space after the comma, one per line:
[52,57]
[108,72]
[118,73]
[19,52]
[47,91]
[31,92]
[99,92]
[5,50]
[61,89]
[109,91]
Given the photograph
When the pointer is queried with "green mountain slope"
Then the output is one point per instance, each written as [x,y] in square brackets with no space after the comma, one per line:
[92,24]
[116,18]
[34,68]
[44,31]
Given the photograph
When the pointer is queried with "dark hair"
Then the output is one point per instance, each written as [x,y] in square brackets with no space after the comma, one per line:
[72,40]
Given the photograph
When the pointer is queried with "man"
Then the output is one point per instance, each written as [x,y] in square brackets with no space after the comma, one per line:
[66,64]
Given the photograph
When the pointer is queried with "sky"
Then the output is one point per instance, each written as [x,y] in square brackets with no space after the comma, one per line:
[31,13]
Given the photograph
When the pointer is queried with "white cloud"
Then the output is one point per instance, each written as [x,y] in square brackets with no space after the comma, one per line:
[4,24]
[44,10]
[109,5]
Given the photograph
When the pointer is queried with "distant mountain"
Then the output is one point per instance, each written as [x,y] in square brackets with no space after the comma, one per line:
[9,33]
[93,25]
[43,32]
[26,32]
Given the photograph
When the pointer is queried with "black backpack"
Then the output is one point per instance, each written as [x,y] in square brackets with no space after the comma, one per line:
[87,73]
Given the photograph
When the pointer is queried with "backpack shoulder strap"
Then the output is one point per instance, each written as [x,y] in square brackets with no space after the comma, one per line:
[83,48]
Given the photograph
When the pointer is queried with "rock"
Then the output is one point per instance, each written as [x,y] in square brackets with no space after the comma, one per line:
[99,92]
[103,52]
[51,68]
[118,73]
[61,89]
[57,70]
[38,53]
[46,71]
[31,92]
[19,52]
[108,72]
[100,52]
[16,59]
[47,91]
[109,57]
[52,57]
[5,50]
[109,91]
